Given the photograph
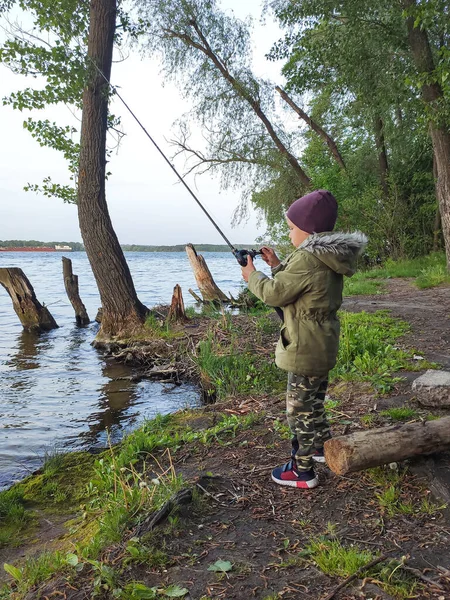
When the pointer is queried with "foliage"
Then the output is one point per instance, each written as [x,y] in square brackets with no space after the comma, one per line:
[54,50]
[367,351]
[229,370]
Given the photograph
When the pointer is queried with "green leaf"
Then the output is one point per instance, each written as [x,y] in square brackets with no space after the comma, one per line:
[175,591]
[72,560]
[13,571]
[221,566]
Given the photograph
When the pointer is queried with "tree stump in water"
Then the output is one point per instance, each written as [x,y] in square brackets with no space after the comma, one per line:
[32,315]
[177,313]
[71,285]
[364,449]
[203,277]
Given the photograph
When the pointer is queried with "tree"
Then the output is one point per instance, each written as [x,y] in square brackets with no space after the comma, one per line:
[438,106]
[122,311]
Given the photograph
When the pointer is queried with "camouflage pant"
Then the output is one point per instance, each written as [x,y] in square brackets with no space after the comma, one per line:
[306,416]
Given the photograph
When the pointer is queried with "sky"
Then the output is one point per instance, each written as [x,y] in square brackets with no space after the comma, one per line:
[146,203]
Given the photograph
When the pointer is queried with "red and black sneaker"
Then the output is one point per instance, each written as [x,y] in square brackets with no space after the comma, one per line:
[288,475]
[319,456]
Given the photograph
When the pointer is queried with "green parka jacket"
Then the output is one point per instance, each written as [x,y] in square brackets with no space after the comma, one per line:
[308,287]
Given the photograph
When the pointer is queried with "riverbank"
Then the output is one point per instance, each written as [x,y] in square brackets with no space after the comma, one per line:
[185,506]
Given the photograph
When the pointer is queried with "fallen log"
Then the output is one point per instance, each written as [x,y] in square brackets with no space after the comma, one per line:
[71,285]
[32,314]
[206,284]
[364,449]
[177,313]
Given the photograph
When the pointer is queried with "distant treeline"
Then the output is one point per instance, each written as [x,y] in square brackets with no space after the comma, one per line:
[78,246]
[180,248]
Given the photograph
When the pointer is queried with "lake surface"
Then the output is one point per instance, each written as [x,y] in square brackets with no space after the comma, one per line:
[56,390]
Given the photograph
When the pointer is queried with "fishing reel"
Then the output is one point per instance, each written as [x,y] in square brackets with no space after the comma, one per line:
[241,255]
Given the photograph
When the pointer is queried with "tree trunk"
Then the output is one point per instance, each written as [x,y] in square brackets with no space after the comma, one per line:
[365,449]
[315,127]
[32,315]
[177,313]
[122,311]
[437,227]
[434,99]
[382,154]
[203,277]
[71,285]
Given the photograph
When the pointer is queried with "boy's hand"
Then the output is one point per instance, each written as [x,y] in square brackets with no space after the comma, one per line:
[268,255]
[248,269]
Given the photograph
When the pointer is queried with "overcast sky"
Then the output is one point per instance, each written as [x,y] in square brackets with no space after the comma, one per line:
[146,204]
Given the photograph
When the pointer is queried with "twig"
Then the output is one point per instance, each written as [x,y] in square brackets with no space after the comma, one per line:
[355,575]
[346,537]
[421,576]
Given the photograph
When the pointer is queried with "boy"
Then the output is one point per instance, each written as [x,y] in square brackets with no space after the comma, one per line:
[307,285]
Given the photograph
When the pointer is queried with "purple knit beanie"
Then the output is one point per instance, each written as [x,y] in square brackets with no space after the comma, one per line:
[314,213]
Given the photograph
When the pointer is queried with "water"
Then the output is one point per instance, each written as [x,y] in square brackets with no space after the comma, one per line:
[56,390]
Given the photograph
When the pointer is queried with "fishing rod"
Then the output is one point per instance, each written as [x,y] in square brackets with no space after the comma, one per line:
[240,255]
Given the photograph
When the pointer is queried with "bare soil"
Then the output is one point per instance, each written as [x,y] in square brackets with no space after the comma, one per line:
[244,518]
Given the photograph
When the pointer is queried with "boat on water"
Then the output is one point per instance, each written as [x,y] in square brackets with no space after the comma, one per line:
[56,248]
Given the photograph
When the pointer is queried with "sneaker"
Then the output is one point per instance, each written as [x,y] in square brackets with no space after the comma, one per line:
[288,475]
[319,456]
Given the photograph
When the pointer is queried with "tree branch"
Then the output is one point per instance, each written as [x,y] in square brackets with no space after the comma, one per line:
[315,127]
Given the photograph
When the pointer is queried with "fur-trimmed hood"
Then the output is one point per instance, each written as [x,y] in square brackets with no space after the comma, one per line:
[339,251]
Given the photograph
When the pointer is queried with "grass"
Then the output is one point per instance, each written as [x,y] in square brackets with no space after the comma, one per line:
[335,559]
[403,413]
[367,350]
[409,267]
[428,271]
[394,493]
[13,516]
[360,285]
[230,368]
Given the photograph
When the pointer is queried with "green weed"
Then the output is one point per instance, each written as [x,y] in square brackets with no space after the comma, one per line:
[360,285]
[432,276]
[408,268]
[402,413]
[367,351]
[13,516]
[230,370]
[334,559]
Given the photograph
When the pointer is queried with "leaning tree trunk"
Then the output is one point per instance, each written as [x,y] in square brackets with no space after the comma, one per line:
[434,99]
[315,127]
[206,284]
[32,314]
[122,310]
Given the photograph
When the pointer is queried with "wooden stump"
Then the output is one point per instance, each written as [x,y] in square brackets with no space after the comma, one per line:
[365,449]
[177,313]
[71,285]
[203,277]
[32,315]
